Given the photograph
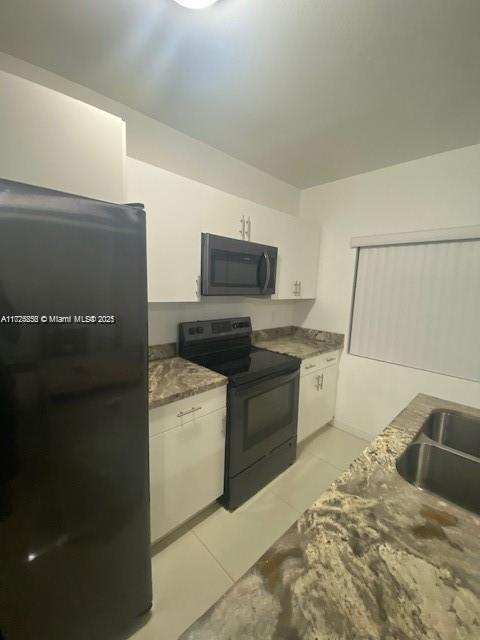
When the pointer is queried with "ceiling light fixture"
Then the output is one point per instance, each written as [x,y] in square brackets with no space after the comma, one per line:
[196,4]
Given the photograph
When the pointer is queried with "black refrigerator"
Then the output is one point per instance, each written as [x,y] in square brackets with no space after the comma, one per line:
[74,501]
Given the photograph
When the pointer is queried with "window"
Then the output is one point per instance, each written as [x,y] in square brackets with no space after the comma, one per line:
[416,301]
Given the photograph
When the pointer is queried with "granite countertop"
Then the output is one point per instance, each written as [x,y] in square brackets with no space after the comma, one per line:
[297,341]
[172,379]
[372,558]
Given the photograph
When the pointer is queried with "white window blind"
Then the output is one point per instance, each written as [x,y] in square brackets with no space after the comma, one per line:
[418,305]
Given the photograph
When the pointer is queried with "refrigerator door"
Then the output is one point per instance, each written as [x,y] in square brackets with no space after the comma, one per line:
[74,506]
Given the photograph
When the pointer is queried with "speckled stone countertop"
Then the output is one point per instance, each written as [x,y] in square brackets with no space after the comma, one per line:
[297,341]
[373,558]
[172,379]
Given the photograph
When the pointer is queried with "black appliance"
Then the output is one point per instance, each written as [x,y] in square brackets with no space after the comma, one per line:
[74,503]
[237,268]
[262,402]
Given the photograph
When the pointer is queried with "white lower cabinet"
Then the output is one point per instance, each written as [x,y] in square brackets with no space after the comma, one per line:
[186,470]
[317,400]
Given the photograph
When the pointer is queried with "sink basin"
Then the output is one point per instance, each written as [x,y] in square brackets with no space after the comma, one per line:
[448,474]
[454,430]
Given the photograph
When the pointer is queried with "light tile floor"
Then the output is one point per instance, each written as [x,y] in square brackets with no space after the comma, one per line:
[194,570]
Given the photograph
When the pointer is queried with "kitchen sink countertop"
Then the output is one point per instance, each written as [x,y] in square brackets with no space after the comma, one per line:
[172,379]
[374,557]
[297,341]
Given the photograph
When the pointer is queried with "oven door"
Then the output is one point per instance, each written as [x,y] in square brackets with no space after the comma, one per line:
[261,416]
[237,268]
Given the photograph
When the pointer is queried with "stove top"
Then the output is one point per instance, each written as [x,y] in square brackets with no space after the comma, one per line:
[246,366]
[225,346]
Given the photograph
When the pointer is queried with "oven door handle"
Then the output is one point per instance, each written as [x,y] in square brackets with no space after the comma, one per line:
[264,384]
[269,271]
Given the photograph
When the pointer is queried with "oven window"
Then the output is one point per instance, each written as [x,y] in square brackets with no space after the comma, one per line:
[234,269]
[268,412]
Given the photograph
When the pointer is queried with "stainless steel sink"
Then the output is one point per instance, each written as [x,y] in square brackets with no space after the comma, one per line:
[450,475]
[454,430]
[444,458]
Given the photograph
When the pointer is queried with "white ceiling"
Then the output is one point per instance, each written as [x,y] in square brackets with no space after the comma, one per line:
[307,90]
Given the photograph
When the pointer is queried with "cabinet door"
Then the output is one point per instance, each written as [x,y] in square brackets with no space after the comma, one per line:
[222,214]
[286,267]
[307,243]
[51,140]
[298,252]
[308,406]
[234,217]
[186,471]
[173,213]
[327,383]
[317,400]
[263,225]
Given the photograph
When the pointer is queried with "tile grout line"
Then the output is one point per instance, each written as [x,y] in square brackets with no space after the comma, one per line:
[276,497]
[213,556]
[282,499]
[308,454]
[317,456]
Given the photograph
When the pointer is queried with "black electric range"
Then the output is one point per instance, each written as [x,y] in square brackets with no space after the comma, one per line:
[262,402]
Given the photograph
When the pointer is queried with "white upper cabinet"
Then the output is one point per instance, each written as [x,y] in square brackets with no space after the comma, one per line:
[234,217]
[298,252]
[223,214]
[297,240]
[173,206]
[306,239]
[51,140]
[262,225]
[179,210]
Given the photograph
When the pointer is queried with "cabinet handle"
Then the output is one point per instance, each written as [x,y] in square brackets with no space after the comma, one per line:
[319,385]
[310,366]
[180,414]
[249,226]
[299,288]
[330,359]
[295,288]
[321,381]
[242,230]
[198,287]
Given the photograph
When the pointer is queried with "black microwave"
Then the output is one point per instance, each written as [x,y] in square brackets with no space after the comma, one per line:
[237,268]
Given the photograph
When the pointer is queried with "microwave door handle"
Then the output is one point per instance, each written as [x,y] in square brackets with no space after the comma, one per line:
[269,270]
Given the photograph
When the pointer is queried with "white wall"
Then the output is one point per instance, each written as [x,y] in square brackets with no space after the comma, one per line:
[433,192]
[158,144]
[164,317]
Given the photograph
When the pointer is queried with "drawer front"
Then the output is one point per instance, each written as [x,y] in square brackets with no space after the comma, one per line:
[186,471]
[311,365]
[181,412]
